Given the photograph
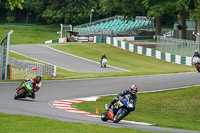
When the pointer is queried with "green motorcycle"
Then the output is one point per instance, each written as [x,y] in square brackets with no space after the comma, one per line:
[26,89]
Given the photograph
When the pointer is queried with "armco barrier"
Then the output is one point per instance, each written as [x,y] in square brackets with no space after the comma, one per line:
[185,60]
[57,40]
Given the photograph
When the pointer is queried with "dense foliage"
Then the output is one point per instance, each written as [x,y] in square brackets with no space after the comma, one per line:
[77,12]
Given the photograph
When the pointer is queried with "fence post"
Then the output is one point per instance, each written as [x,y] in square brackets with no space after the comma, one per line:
[4,55]
[54,71]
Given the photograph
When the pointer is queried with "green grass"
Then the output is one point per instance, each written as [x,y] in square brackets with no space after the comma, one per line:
[30,34]
[22,124]
[174,108]
[137,64]
[21,57]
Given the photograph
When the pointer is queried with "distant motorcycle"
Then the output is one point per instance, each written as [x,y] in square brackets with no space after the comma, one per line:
[196,62]
[103,62]
[26,89]
[119,110]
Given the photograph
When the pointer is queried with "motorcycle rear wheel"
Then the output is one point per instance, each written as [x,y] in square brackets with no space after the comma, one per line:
[197,67]
[19,94]
[120,116]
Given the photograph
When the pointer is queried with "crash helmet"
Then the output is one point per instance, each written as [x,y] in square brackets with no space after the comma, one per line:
[134,89]
[38,79]
[196,51]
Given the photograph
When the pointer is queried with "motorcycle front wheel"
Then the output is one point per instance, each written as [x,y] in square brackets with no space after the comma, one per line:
[119,116]
[103,117]
[19,94]
[197,67]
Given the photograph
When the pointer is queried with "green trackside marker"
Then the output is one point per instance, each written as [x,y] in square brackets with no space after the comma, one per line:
[119,43]
[163,56]
[127,46]
[173,58]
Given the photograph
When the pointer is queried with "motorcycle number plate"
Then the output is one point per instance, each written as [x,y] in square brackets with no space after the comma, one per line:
[29,86]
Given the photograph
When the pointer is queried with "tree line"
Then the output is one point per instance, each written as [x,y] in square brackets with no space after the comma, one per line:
[77,12]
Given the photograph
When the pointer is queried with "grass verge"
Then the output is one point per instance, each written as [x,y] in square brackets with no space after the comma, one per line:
[16,124]
[137,64]
[30,34]
[175,108]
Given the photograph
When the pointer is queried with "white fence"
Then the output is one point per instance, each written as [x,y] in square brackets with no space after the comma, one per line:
[32,67]
[177,46]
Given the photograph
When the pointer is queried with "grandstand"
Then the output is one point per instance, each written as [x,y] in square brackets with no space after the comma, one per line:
[114,26]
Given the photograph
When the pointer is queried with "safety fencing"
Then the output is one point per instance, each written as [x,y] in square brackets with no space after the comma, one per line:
[169,57]
[31,68]
[177,46]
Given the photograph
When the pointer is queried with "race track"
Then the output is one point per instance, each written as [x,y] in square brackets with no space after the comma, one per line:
[70,89]
[63,60]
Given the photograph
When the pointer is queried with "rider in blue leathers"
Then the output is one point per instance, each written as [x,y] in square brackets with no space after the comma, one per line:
[131,93]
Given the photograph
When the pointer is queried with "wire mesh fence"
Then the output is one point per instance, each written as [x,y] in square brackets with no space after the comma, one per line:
[19,73]
[24,69]
[177,46]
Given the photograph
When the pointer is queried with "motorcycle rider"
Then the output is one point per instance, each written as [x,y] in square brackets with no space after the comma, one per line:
[36,83]
[196,54]
[131,93]
[103,56]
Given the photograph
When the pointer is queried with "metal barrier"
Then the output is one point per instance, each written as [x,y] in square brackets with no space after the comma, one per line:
[176,46]
[33,67]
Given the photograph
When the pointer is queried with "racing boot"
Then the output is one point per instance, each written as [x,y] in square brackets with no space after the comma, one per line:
[32,96]
[106,107]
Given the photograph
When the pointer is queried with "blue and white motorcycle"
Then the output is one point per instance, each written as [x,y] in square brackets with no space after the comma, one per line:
[119,110]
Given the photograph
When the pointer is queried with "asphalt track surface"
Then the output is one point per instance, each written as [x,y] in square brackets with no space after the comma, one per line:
[70,89]
[63,60]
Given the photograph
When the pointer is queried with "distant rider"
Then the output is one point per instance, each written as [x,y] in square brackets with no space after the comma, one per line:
[103,56]
[130,93]
[36,84]
[196,54]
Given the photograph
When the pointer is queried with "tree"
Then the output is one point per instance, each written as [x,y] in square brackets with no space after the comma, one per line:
[14,3]
[69,11]
[127,8]
[195,13]
[160,7]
